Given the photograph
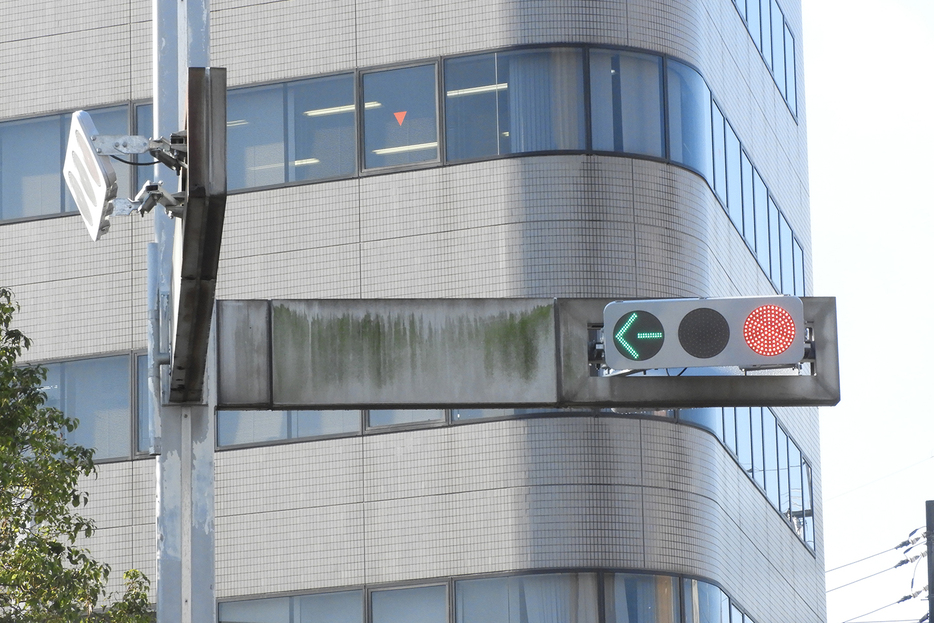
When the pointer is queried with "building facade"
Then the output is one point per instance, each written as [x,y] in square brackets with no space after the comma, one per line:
[383,149]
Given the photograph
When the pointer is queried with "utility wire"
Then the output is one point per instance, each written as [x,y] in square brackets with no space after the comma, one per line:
[911,540]
[903,599]
[872,482]
[900,563]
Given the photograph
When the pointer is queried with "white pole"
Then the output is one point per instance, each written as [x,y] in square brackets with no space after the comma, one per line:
[183,435]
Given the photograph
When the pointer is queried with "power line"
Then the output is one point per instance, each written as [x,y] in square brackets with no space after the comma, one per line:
[900,563]
[872,482]
[905,598]
[911,540]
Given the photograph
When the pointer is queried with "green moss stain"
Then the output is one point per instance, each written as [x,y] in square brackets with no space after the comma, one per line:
[387,347]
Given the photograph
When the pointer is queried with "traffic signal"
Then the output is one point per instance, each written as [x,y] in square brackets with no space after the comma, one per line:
[685,333]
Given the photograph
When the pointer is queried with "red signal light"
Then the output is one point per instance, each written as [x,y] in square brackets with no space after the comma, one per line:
[769,330]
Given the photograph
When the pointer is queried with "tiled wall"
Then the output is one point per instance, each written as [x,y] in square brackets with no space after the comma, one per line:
[339,512]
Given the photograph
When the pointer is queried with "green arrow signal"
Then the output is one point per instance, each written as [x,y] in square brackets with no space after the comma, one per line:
[638,335]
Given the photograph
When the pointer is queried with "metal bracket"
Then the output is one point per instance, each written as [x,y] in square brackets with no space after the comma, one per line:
[150,195]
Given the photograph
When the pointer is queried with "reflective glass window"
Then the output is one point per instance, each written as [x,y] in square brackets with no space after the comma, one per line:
[626,102]
[97,393]
[766,29]
[799,269]
[544,100]
[321,128]
[710,418]
[400,120]
[752,21]
[340,607]
[472,123]
[255,137]
[254,611]
[729,428]
[770,454]
[762,223]
[459,414]
[744,439]
[749,204]
[704,603]
[808,506]
[320,423]
[783,492]
[735,615]
[423,604]
[787,262]
[244,427]
[631,598]
[734,183]
[719,155]
[775,250]
[794,512]
[741,7]
[758,463]
[546,598]
[31,153]
[791,86]
[240,427]
[689,119]
[143,434]
[778,47]
[386,417]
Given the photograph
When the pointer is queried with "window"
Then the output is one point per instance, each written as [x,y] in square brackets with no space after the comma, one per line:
[734,183]
[626,103]
[758,461]
[530,598]
[778,47]
[775,252]
[771,456]
[787,261]
[749,204]
[97,393]
[762,223]
[705,603]
[342,607]
[252,427]
[766,29]
[255,141]
[546,598]
[799,269]
[631,598]
[689,119]
[387,417]
[400,121]
[422,604]
[254,611]
[338,607]
[321,122]
[752,22]
[791,92]
[30,177]
[31,155]
[514,102]
[719,155]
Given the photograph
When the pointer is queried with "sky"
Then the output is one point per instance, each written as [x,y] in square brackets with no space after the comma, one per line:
[869,80]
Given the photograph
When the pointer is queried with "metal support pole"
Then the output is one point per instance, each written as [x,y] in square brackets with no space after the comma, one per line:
[929,513]
[185,465]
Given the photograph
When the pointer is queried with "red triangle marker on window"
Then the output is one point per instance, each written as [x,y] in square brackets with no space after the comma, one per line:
[400,116]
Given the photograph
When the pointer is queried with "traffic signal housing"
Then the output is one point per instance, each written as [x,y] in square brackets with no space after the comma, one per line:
[746,332]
